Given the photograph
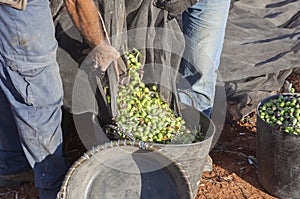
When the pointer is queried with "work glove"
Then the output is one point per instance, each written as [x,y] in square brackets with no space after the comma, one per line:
[100,58]
[174,7]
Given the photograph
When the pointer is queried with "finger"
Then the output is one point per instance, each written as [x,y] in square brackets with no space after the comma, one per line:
[95,66]
[86,51]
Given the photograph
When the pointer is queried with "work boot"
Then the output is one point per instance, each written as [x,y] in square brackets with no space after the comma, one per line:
[16,179]
[208,164]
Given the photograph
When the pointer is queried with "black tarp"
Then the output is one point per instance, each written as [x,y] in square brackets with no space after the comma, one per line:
[261,48]
[129,24]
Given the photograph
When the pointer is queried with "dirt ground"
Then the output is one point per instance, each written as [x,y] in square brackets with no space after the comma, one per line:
[234,172]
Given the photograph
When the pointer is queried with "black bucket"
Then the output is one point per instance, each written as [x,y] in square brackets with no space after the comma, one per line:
[278,158]
[134,170]
[191,157]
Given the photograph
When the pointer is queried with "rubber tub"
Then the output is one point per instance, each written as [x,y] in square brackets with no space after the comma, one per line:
[278,159]
[134,170]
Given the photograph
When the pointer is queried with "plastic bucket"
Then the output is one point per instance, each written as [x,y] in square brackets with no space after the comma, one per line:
[142,170]
[278,158]
[191,157]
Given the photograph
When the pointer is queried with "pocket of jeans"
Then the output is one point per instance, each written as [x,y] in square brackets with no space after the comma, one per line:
[37,87]
[44,86]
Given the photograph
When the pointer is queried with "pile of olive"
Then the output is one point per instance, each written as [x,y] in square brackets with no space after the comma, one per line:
[143,114]
[284,111]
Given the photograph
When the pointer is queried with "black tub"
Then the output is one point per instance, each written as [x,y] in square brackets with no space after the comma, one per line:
[278,158]
[134,170]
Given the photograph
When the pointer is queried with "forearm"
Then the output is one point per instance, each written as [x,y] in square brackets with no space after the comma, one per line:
[86,19]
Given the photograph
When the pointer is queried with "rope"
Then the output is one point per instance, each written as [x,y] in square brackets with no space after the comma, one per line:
[107,38]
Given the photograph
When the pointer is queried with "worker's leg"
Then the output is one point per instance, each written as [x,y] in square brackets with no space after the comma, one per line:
[12,157]
[204,28]
[35,98]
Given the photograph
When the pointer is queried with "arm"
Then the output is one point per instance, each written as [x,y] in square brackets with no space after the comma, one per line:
[86,19]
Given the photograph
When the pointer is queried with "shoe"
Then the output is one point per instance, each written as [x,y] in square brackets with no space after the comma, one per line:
[16,179]
[208,164]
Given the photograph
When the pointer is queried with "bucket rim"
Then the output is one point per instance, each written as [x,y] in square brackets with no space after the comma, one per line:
[264,100]
[277,126]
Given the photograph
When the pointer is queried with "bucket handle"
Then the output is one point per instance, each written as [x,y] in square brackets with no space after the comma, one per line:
[119,131]
[189,95]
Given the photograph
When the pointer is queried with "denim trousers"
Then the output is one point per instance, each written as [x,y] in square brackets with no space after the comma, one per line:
[30,119]
[204,29]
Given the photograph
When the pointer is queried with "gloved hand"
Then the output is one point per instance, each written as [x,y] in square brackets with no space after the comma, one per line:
[174,7]
[101,57]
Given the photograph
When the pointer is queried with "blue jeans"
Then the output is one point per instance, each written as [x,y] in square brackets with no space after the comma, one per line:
[204,29]
[30,131]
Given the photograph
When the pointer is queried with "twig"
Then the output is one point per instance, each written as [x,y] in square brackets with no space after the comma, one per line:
[248,157]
